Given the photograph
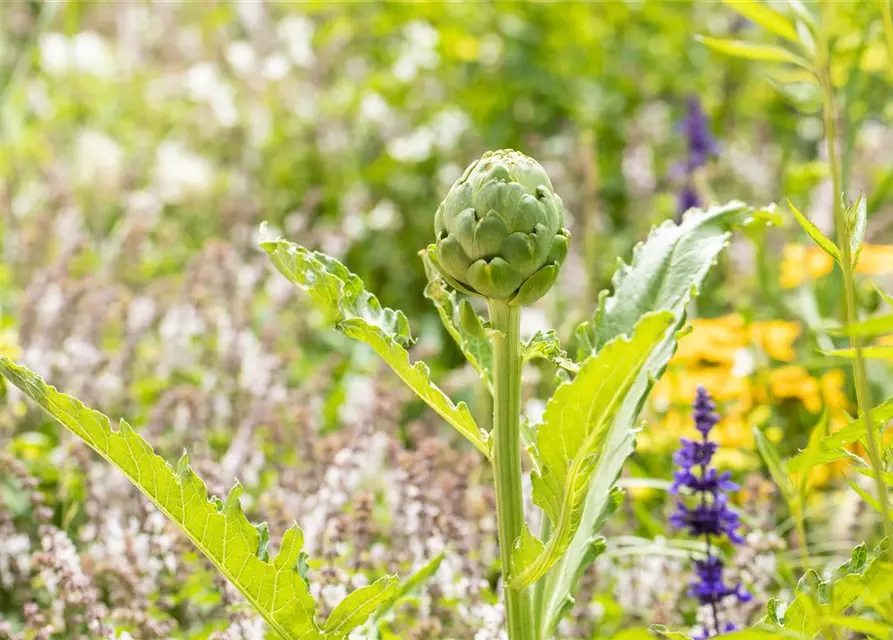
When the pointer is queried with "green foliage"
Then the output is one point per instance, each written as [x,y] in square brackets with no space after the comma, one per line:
[820,603]
[358,314]
[218,528]
[572,439]
[666,271]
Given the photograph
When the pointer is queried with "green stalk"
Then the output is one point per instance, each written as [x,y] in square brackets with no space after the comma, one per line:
[506,457]
[863,391]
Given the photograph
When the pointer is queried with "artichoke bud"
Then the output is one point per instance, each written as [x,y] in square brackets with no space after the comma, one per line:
[500,230]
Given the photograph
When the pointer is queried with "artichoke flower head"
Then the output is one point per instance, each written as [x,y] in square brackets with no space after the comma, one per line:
[500,230]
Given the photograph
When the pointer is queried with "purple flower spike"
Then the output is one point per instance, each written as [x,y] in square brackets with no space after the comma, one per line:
[702,509]
[701,146]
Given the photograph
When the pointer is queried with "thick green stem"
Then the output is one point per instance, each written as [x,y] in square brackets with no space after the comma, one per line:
[506,457]
[863,391]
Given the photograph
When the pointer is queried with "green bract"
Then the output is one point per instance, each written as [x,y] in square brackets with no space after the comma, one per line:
[500,230]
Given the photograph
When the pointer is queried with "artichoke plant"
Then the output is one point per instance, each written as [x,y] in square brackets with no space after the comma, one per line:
[500,230]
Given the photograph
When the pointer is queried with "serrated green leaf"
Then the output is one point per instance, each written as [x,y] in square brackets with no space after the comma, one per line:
[764,16]
[666,272]
[359,605]
[831,447]
[869,328]
[824,243]
[359,315]
[572,436]
[463,324]
[218,529]
[752,51]
[546,346]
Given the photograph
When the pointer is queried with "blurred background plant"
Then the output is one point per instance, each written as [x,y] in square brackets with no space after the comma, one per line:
[142,142]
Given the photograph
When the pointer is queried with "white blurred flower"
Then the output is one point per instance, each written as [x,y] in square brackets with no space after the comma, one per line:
[240,54]
[744,363]
[374,108]
[91,54]
[448,125]
[359,394]
[98,160]
[418,52]
[275,67]
[533,319]
[384,216]
[54,53]
[412,147]
[180,173]
[205,85]
[297,33]
[85,51]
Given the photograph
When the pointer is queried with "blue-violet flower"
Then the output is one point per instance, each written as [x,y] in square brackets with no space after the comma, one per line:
[702,508]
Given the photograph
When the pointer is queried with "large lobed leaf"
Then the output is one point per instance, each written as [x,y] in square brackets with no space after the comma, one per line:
[359,315]
[220,530]
[666,272]
[569,442]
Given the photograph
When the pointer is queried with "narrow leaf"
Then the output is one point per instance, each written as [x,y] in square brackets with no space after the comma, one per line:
[217,528]
[768,18]
[413,582]
[359,315]
[869,328]
[875,353]
[857,221]
[773,462]
[752,51]
[576,423]
[815,233]
[359,605]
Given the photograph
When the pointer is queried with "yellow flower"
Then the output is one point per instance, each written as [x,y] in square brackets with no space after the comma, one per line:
[799,262]
[776,338]
[832,384]
[875,259]
[794,382]
[712,340]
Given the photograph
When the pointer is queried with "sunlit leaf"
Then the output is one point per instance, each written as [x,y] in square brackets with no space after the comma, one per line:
[752,51]
[815,233]
[359,315]
[856,222]
[359,605]
[831,447]
[218,528]
[878,353]
[766,17]
[869,328]
[572,438]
